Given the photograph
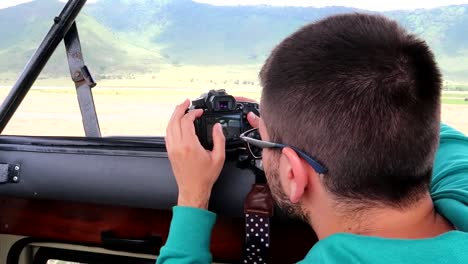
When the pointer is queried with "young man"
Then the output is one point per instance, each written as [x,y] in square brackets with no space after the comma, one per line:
[361,98]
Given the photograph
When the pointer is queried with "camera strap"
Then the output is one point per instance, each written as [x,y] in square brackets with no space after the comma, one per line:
[258,209]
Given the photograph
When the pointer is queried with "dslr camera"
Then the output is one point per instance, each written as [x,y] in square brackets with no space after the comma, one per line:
[220,107]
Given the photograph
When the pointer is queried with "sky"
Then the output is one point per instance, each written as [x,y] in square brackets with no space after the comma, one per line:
[373,5]
[8,3]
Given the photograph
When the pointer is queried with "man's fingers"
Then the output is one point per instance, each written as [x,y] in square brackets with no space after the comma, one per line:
[187,126]
[173,130]
[179,111]
[219,143]
[244,99]
[253,120]
[193,114]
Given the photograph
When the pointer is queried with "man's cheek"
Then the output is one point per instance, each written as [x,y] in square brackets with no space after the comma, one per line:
[266,164]
[269,166]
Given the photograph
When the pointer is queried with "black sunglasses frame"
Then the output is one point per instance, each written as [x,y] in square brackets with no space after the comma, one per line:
[319,168]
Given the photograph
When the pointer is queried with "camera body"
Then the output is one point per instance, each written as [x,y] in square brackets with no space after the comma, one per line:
[220,107]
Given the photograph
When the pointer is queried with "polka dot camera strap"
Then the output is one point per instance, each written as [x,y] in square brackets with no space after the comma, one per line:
[258,209]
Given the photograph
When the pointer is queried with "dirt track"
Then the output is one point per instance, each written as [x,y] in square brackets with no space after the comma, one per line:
[128,112]
[456,116]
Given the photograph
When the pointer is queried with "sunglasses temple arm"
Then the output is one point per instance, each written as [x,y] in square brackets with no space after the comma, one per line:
[317,167]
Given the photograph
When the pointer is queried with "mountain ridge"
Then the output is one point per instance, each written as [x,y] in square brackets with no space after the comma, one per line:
[124,38]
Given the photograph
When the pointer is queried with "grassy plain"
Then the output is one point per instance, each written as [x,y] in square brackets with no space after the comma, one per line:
[54,111]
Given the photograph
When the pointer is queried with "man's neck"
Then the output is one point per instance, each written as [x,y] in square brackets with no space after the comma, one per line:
[416,222]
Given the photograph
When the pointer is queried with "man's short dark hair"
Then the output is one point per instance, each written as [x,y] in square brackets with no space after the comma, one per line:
[361,95]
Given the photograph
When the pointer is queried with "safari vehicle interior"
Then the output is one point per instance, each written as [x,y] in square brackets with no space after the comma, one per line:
[97,199]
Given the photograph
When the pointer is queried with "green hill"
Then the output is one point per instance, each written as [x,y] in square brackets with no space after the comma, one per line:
[445,30]
[130,38]
[108,53]
[194,33]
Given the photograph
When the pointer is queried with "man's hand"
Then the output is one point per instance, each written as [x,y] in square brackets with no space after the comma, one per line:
[195,168]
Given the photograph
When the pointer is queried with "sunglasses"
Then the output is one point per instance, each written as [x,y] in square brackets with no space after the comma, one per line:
[256,145]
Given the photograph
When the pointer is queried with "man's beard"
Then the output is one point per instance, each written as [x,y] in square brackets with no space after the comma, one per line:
[280,197]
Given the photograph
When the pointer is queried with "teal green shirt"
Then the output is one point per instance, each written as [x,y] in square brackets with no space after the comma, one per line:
[189,236]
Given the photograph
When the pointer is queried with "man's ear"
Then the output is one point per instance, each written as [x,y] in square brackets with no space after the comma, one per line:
[297,178]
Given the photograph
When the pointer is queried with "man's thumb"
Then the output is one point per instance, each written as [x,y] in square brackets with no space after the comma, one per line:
[253,119]
[219,142]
